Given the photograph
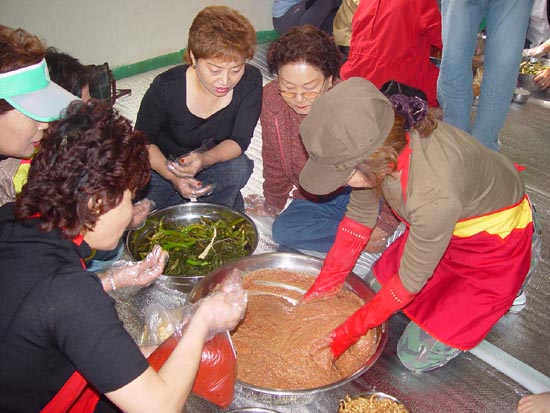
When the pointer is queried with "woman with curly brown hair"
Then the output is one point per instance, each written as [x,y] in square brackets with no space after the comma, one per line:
[28,101]
[63,345]
[306,62]
[203,114]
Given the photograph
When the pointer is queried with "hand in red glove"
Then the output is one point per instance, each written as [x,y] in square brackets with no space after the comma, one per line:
[392,297]
[351,238]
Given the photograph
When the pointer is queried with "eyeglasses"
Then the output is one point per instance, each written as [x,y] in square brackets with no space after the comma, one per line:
[310,94]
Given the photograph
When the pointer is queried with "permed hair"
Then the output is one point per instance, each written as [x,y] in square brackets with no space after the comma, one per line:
[307,44]
[85,163]
[220,32]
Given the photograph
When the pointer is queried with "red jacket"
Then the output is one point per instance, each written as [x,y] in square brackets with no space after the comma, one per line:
[392,40]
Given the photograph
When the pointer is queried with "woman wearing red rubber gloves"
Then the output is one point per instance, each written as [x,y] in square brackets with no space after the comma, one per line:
[467,249]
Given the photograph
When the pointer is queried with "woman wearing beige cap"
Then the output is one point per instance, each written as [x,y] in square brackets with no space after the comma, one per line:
[469,245]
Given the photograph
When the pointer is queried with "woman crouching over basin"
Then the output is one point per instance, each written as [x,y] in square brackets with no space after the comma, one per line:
[467,248]
[63,346]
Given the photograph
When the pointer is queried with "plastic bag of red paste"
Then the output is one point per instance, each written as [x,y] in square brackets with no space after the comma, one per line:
[217,374]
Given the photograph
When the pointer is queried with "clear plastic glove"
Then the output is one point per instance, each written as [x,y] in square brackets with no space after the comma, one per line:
[221,310]
[255,204]
[185,167]
[190,164]
[225,306]
[140,211]
[534,51]
[130,273]
[192,188]
[542,79]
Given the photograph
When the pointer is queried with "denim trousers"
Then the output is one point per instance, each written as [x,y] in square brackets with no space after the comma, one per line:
[310,225]
[506,25]
[229,178]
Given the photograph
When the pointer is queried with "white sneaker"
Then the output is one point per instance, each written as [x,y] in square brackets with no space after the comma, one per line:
[519,303]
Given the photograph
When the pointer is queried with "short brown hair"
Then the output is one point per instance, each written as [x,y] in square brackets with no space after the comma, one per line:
[88,158]
[307,44]
[221,32]
[18,49]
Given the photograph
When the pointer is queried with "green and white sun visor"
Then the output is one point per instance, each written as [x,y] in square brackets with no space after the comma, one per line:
[30,91]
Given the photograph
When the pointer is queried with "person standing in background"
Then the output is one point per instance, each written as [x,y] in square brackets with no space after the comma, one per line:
[292,13]
[542,78]
[538,29]
[506,25]
[392,40]
[342,24]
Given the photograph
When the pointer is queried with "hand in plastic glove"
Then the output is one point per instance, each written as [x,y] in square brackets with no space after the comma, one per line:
[140,211]
[186,166]
[350,241]
[255,205]
[224,307]
[191,188]
[535,51]
[221,310]
[392,297]
[542,79]
[141,273]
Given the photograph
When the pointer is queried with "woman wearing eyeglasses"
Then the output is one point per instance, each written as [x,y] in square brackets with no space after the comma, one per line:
[306,62]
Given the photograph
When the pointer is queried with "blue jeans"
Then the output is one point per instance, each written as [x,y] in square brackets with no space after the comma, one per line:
[229,178]
[506,27]
[310,225]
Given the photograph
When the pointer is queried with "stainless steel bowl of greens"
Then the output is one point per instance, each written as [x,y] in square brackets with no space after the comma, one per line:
[199,237]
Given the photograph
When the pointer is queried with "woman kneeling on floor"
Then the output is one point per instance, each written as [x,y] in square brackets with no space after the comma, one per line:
[469,244]
[199,117]
[63,346]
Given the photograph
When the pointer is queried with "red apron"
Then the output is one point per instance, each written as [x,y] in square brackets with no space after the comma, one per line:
[477,279]
[76,395]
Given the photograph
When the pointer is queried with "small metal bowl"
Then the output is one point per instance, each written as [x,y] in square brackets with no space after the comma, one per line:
[378,395]
[185,214]
[520,95]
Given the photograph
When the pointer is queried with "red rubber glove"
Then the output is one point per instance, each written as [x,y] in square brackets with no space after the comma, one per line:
[350,241]
[392,297]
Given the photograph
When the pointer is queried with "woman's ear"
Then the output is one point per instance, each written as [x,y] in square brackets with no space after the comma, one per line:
[192,57]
